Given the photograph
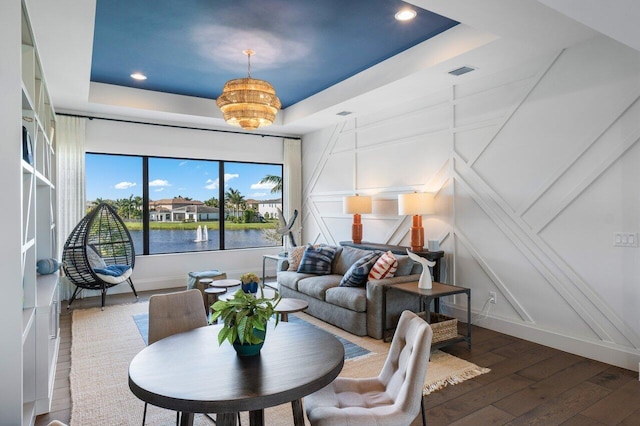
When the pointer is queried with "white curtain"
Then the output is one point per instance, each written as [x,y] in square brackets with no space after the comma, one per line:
[70,188]
[292,187]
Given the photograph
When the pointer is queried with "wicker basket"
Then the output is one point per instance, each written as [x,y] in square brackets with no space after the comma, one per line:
[444,327]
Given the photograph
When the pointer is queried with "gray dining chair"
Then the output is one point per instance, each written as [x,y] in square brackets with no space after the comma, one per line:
[393,398]
[174,313]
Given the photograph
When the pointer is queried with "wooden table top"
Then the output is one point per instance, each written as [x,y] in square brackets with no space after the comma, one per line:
[437,289]
[225,283]
[289,305]
[189,372]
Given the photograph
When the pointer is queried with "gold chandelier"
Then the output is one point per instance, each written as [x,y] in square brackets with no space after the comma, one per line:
[248,102]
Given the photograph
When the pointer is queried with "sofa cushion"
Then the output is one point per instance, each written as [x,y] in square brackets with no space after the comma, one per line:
[317,260]
[290,279]
[352,298]
[316,286]
[348,257]
[356,276]
[405,265]
[385,267]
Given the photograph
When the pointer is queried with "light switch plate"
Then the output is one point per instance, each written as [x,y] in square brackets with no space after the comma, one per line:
[625,239]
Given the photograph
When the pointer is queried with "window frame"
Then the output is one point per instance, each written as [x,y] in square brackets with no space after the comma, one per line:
[221,197]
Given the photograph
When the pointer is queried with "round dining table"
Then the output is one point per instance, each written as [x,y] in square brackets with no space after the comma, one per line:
[190,373]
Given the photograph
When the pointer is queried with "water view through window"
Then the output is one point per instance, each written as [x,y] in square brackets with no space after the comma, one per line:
[186,204]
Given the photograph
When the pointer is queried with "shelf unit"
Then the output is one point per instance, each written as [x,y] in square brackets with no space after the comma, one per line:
[30,307]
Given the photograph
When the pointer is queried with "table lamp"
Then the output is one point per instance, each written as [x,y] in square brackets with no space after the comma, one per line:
[416,204]
[356,205]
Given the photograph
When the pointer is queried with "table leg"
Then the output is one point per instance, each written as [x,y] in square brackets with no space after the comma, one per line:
[469,318]
[263,269]
[298,413]
[284,317]
[256,418]
[384,313]
[186,419]
[226,419]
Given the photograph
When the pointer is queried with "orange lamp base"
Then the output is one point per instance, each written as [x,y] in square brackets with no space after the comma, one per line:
[417,234]
[356,229]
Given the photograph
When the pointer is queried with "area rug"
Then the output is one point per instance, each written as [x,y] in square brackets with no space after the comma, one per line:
[104,343]
[351,350]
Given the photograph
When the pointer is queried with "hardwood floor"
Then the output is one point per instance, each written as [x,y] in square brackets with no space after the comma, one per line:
[529,384]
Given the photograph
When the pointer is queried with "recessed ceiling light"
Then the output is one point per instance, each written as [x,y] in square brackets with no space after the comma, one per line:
[406,15]
[138,76]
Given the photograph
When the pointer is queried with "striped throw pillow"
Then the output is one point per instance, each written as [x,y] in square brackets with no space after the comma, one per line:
[295,256]
[357,274]
[384,267]
[317,260]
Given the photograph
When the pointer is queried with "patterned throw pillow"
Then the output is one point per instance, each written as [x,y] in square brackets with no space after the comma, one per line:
[317,260]
[384,267]
[357,274]
[295,256]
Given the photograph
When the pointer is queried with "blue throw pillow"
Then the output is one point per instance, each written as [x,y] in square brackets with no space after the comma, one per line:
[357,274]
[47,266]
[317,260]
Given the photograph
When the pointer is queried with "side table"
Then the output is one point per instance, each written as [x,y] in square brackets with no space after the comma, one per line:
[266,257]
[426,296]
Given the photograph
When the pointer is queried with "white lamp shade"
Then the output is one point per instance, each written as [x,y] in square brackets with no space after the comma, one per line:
[356,204]
[417,203]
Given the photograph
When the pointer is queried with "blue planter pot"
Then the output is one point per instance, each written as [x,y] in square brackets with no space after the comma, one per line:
[250,288]
[247,349]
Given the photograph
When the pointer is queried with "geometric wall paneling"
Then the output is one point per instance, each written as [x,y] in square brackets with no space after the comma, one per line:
[593,158]
[478,274]
[582,301]
[336,174]
[470,140]
[602,211]
[533,168]
[408,162]
[530,83]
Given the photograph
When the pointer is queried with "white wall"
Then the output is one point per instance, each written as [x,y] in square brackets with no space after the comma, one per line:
[535,168]
[170,270]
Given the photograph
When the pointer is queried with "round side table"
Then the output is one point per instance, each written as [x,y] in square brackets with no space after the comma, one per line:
[213,292]
[288,306]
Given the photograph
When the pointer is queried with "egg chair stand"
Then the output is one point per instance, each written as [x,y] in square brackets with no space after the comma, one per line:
[99,253]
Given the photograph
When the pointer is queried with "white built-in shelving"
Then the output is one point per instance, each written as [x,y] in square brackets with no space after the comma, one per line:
[29,308]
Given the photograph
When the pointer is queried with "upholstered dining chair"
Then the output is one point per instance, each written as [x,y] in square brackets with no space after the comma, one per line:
[174,313]
[392,398]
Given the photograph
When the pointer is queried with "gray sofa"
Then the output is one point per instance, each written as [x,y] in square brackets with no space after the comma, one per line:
[357,310]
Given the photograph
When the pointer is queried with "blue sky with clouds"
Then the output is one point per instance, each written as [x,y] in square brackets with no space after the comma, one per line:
[119,176]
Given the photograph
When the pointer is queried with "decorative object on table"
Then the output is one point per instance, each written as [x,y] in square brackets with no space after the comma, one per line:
[27,146]
[248,102]
[99,252]
[433,245]
[284,229]
[249,282]
[425,282]
[245,320]
[47,266]
[416,204]
[356,205]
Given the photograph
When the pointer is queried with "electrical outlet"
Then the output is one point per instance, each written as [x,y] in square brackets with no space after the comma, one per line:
[492,297]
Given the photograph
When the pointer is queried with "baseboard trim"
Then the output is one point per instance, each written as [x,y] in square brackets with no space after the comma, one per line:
[617,355]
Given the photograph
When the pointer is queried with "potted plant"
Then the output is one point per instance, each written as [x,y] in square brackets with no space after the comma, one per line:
[244,318]
[249,282]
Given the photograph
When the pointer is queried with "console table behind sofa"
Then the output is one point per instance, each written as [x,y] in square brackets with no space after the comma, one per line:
[434,256]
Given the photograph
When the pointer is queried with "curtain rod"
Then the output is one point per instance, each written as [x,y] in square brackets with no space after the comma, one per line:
[178,127]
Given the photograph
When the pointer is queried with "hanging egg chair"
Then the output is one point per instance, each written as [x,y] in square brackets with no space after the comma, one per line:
[99,253]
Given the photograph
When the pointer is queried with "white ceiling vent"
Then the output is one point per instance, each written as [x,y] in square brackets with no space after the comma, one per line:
[461,70]
[343,113]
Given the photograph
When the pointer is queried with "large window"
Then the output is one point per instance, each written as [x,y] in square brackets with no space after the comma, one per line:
[173,205]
